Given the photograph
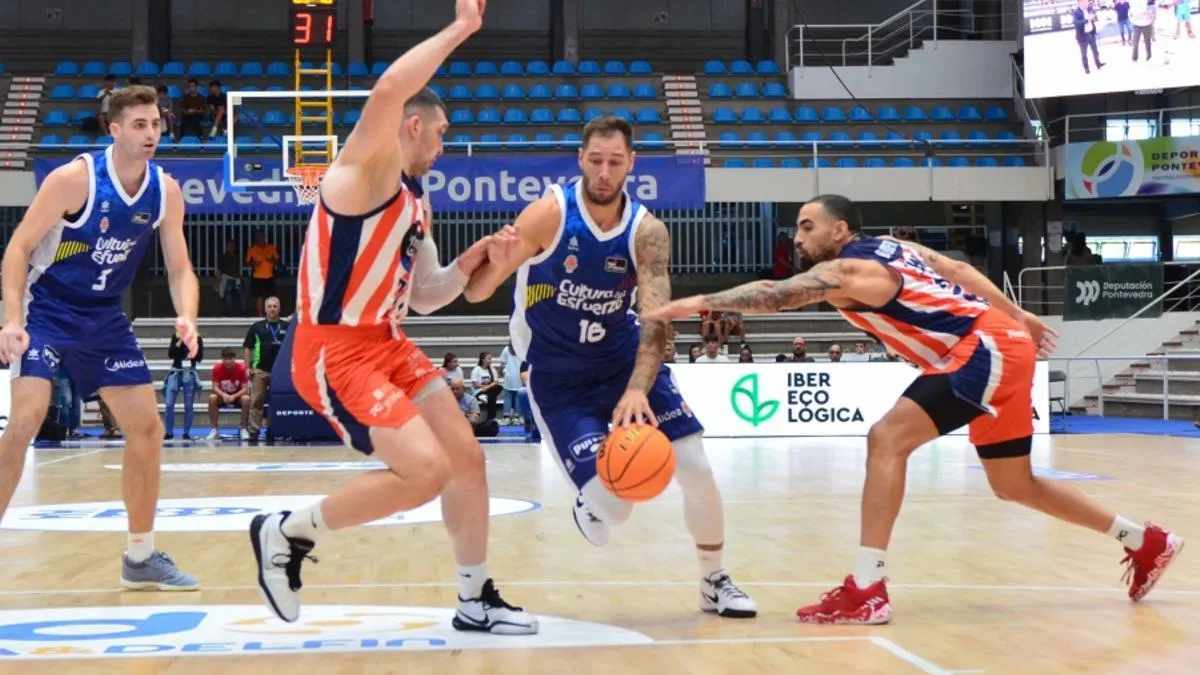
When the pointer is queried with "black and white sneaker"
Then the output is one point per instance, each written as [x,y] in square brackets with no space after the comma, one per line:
[489,613]
[279,559]
[590,526]
[719,594]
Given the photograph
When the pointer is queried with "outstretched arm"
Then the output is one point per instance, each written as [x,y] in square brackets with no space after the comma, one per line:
[433,286]
[533,229]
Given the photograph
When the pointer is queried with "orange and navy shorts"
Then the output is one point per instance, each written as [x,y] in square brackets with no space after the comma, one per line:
[989,387]
[359,378]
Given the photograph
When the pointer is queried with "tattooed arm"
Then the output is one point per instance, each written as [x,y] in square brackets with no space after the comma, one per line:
[652,247]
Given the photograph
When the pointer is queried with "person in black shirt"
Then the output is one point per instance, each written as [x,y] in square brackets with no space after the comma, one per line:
[181,377]
[1084,16]
[1121,7]
[216,108]
[262,344]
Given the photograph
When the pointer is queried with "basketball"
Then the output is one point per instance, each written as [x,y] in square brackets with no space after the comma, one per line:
[636,462]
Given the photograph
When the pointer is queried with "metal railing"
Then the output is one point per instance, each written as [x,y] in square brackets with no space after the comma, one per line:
[1026,109]
[875,44]
[1046,296]
[1164,376]
[1088,127]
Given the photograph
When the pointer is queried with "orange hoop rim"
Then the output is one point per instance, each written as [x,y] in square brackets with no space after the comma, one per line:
[309,175]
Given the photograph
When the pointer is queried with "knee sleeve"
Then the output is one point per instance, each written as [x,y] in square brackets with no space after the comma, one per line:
[604,504]
[702,508]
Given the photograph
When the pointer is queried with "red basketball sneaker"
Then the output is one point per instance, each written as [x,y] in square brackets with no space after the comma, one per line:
[849,604]
[1145,566]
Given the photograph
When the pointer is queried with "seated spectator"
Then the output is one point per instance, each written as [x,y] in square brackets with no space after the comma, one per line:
[181,377]
[745,355]
[835,353]
[782,358]
[215,103]
[230,389]
[733,324]
[694,353]
[191,108]
[166,112]
[470,407]
[800,350]
[712,352]
[105,93]
[451,368]
[859,353]
[483,375]
[669,354]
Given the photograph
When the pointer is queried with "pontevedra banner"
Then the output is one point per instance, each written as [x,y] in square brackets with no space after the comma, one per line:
[504,184]
[1153,166]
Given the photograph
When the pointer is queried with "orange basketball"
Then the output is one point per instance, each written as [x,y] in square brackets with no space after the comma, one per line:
[636,462]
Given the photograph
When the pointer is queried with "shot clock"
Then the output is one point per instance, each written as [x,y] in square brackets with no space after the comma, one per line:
[313,22]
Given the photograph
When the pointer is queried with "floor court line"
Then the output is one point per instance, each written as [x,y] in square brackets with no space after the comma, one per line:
[908,657]
[59,460]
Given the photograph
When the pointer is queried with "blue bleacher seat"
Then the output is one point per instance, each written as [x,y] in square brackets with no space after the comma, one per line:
[641,68]
[774,90]
[757,139]
[439,90]
[614,68]
[791,163]
[648,116]
[487,92]
[995,114]
[778,115]
[278,69]
[875,163]
[378,68]
[81,116]
[588,67]
[357,69]
[914,113]
[840,138]
[763,163]
[859,114]
[537,68]
[462,139]
[514,92]
[50,139]
[571,140]
[173,92]
[622,113]
[645,91]
[735,163]
[941,113]
[515,116]
[94,69]
[903,162]
[867,139]
[199,69]
[895,139]
[724,116]
[563,68]
[459,69]
[833,114]
[225,69]
[544,140]
[969,113]
[741,67]
[486,69]
[79,139]
[539,92]
[569,116]
[56,118]
[459,92]
[653,139]
[541,116]
[175,69]
[121,69]
[810,137]
[847,163]
[729,139]
[931,161]
[719,90]
[819,163]
[87,92]
[461,116]
[351,118]
[807,115]
[785,138]
[922,137]
[1005,138]
[714,68]
[62,91]
[516,141]
[566,91]
[767,68]
[591,114]
[986,162]
[276,87]
[959,162]
[273,118]
[490,139]
[248,87]
[511,68]
[752,116]
[1014,161]
[488,116]
[441,71]
[745,90]
[888,113]
[591,91]
[618,91]
[66,69]
[977,138]
[249,69]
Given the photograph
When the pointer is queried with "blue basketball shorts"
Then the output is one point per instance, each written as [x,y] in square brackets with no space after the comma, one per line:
[97,347]
[573,411]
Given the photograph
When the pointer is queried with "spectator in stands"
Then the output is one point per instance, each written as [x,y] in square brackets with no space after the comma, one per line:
[105,93]
[166,112]
[835,353]
[483,375]
[510,365]
[262,257]
[784,257]
[1121,7]
[532,435]
[215,103]
[710,326]
[712,352]
[181,377]
[857,353]
[745,355]
[694,353]
[1079,253]
[734,324]
[66,410]
[451,368]
[669,354]
[470,407]
[1141,15]
[262,344]
[800,350]
[781,358]
[111,430]
[229,281]
[1084,16]
[230,388]
[192,106]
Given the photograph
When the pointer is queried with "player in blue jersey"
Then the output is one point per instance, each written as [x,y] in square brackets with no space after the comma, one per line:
[65,269]
[583,254]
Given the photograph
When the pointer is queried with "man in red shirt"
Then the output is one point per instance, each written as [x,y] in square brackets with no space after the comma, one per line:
[230,387]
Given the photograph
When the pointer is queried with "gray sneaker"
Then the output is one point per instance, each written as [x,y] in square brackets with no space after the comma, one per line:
[156,573]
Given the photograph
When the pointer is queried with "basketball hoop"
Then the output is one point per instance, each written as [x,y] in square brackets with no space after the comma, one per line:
[306,181]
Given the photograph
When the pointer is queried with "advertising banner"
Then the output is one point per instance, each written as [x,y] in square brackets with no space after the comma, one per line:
[1094,292]
[744,400]
[1153,166]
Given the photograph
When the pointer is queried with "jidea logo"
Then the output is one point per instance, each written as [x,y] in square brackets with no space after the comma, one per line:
[743,398]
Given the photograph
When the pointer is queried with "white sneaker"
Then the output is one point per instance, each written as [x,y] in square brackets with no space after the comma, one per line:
[590,526]
[213,435]
[279,559]
[489,613]
[245,435]
[719,594]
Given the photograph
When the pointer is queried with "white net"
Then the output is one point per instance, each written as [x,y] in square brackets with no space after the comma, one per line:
[306,181]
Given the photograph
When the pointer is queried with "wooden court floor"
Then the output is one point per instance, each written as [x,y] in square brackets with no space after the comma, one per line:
[978,586]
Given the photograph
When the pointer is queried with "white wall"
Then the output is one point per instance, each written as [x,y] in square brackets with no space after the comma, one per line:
[16,188]
[950,69]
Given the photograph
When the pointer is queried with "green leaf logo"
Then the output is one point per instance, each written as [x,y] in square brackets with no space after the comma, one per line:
[744,401]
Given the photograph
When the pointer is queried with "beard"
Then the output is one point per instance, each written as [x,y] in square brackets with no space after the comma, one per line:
[595,198]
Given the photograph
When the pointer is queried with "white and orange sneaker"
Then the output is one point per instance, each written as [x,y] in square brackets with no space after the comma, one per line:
[1145,566]
[849,604]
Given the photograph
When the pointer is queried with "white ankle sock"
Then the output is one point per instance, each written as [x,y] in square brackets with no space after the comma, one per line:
[139,547]
[1129,533]
[471,579]
[869,566]
[710,561]
[306,523]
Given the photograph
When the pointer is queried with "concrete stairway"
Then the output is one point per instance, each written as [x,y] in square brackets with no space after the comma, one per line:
[1142,389]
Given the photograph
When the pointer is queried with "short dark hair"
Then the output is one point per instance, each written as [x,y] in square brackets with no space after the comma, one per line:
[228,353]
[840,208]
[424,99]
[607,125]
[192,80]
[138,94]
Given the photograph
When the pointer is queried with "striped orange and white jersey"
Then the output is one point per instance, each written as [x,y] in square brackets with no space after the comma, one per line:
[926,318]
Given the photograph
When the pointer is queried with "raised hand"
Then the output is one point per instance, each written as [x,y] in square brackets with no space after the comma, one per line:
[470,13]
